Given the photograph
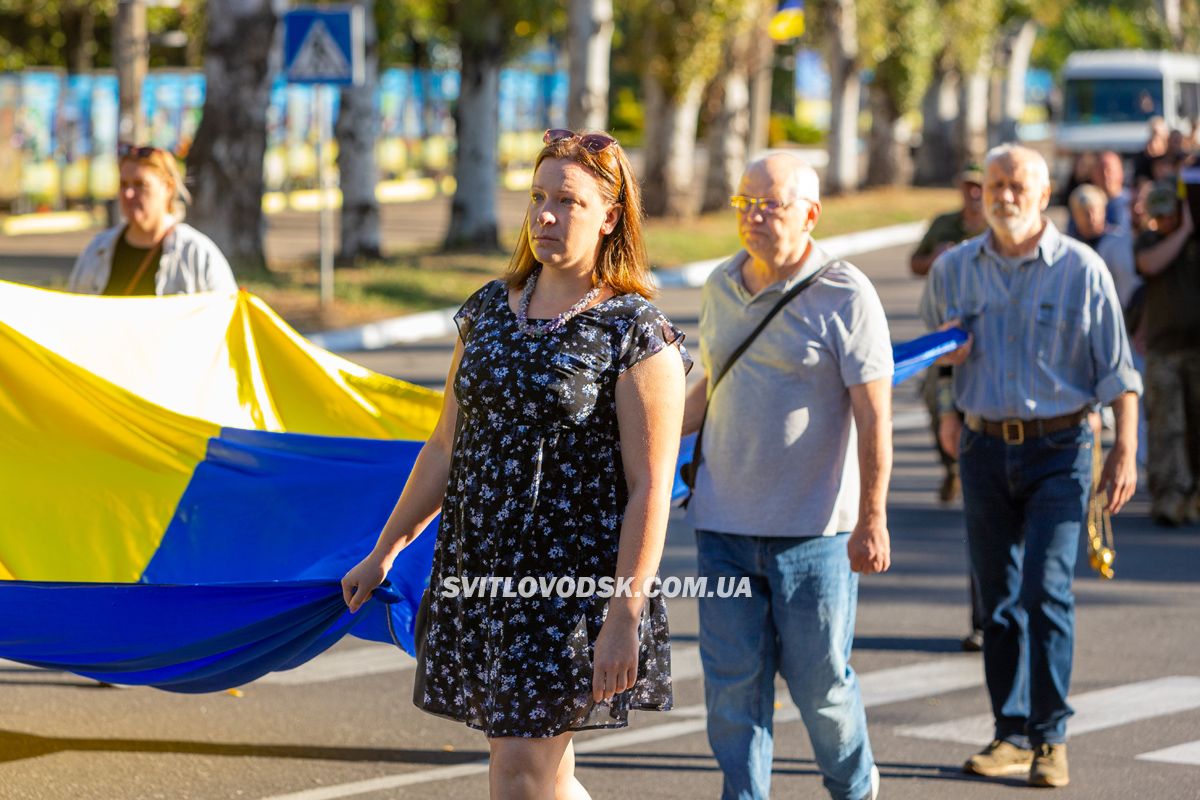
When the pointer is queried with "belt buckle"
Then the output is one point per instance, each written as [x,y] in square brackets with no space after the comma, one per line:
[1013,431]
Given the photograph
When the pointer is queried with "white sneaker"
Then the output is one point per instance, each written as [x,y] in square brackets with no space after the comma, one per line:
[874,782]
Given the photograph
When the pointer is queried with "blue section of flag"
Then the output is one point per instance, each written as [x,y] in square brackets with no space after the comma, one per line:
[910,358]
[284,506]
[247,577]
[179,638]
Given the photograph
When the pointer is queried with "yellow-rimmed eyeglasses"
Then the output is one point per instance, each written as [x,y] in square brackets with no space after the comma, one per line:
[767,206]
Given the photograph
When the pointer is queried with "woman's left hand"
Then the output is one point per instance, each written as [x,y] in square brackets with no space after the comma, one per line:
[615,661]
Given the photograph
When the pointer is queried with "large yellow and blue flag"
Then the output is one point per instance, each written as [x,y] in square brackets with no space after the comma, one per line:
[172,543]
[184,480]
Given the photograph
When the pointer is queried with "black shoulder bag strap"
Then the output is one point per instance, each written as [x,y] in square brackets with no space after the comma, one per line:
[692,468]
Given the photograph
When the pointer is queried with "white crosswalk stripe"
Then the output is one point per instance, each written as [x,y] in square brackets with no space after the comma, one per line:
[342,664]
[879,688]
[1188,753]
[1094,711]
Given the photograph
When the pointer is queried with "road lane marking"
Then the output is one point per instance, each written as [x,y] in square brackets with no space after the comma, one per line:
[343,664]
[1094,711]
[1188,753]
[880,687]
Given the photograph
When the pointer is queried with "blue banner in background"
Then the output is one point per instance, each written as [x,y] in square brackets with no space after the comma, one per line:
[58,133]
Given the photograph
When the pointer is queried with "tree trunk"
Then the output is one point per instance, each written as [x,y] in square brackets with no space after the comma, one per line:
[972,128]
[590,32]
[761,69]
[845,92]
[1169,10]
[884,149]
[758,135]
[728,129]
[728,133]
[670,152]
[939,158]
[79,25]
[357,132]
[477,129]
[225,164]
[131,54]
[1017,50]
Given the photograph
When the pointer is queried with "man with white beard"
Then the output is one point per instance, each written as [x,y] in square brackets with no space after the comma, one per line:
[1046,343]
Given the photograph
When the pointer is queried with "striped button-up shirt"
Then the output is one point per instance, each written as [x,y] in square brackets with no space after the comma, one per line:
[1049,338]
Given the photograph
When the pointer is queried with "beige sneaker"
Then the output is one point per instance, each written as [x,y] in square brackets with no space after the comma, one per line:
[1049,766]
[999,758]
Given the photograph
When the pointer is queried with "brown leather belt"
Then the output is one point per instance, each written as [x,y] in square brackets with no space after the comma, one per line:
[1016,431]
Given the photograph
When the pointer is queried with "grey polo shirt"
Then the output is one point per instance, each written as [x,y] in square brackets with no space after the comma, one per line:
[780,456]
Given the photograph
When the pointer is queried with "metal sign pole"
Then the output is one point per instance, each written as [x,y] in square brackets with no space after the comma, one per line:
[325,234]
[322,46]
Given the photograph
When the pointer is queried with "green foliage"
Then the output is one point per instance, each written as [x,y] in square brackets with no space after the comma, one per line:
[965,30]
[522,23]
[899,39]
[627,118]
[784,128]
[677,42]
[1092,25]
[44,33]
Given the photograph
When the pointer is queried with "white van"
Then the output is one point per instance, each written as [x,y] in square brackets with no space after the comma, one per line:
[1108,96]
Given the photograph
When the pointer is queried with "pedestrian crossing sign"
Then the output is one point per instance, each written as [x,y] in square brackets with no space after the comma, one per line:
[324,44]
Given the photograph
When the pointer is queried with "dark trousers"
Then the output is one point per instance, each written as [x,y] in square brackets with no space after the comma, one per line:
[1025,507]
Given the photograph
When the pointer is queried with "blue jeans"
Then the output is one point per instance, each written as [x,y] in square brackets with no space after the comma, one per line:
[1025,506]
[798,622]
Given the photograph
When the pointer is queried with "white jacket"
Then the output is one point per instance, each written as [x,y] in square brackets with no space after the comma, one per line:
[190,263]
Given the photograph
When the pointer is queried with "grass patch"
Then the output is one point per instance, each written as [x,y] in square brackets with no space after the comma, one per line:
[422,280]
[673,243]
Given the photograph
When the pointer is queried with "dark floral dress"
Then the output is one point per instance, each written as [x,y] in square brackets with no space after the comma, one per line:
[537,489]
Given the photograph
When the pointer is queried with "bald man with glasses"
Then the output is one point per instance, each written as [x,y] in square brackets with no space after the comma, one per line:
[785,495]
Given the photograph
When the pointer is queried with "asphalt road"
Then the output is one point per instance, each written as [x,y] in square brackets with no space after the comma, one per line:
[344,726]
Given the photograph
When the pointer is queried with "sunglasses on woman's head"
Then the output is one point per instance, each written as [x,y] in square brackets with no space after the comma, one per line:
[125,150]
[592,142]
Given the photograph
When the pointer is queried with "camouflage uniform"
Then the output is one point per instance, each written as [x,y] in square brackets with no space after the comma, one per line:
[944,228]
[948,228]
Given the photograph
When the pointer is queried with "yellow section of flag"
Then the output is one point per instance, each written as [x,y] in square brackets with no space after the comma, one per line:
[225,358]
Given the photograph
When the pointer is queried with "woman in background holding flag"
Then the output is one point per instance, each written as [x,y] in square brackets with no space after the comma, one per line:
[153,252]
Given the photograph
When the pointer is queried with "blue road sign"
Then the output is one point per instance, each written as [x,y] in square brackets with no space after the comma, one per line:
[323,44]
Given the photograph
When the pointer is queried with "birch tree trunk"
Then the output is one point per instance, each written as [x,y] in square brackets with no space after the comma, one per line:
[477,129]
[761,57]
[590,32]
[972,129]
[670,151]
[357,132]
[884,159]
[728,129]
[1018,49]
[845,92]
[225,164]
[939,157]
[1170,12]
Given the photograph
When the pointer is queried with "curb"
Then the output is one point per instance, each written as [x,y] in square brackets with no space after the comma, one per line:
[435,324]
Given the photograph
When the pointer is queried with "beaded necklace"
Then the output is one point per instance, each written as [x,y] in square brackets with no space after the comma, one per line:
[544,327]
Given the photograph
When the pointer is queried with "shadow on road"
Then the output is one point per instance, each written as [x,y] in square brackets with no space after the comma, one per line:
[695,762]
[16,746]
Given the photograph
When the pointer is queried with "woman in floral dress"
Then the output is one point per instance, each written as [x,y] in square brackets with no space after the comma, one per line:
[553,459]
